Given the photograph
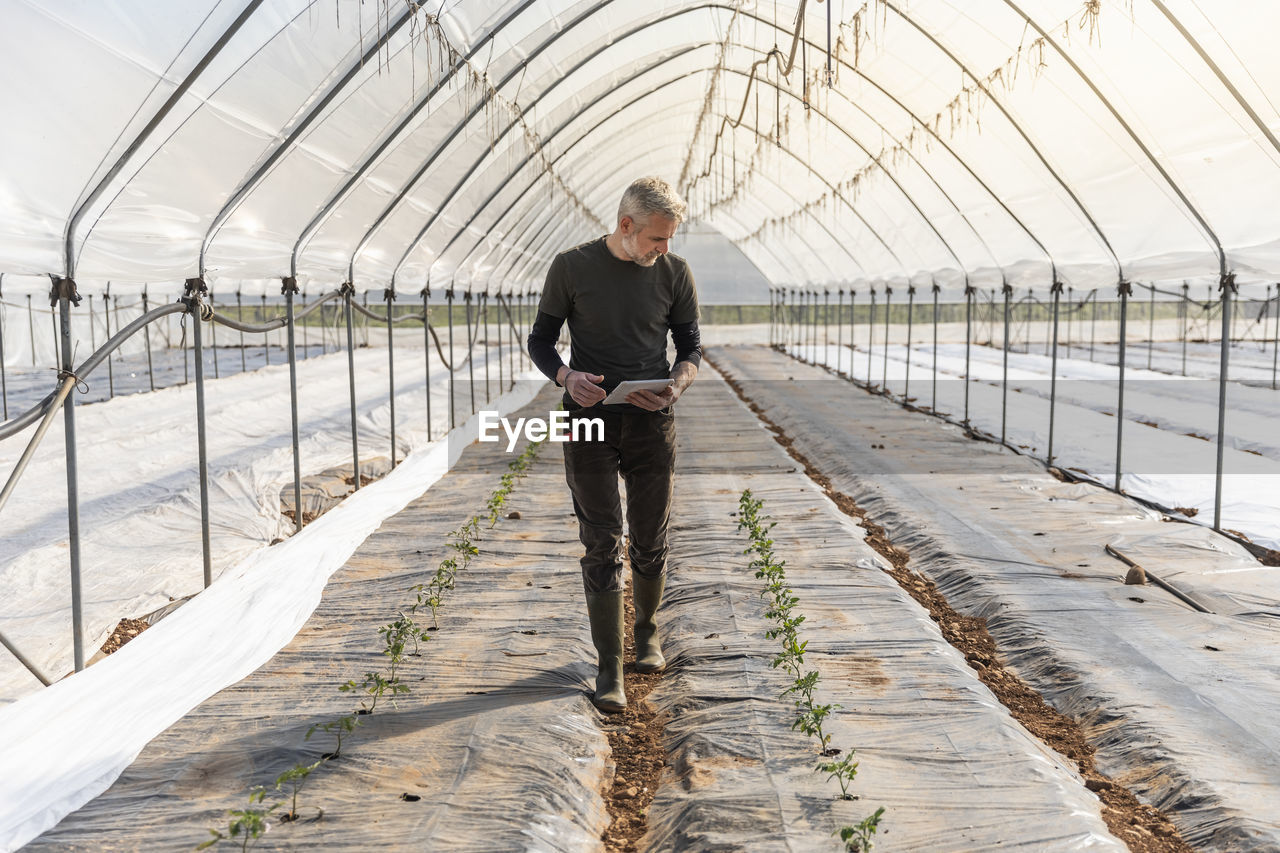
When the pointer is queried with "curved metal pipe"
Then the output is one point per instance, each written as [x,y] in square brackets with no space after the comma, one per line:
[27,418]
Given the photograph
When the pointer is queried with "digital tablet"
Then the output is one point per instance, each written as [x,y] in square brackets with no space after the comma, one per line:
[619,394]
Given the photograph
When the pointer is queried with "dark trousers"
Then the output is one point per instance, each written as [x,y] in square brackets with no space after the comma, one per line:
[641,447]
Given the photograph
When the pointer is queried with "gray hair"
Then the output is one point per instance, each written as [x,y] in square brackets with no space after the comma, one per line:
[648,196]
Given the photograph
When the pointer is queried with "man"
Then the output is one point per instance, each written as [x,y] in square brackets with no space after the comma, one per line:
[620,294]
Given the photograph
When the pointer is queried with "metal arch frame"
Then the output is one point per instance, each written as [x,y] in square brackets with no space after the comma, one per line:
[534,183]
[283,147]
[925,126]
[458,128]
[928,129]
[923,216]
[919,122]
[782,188]
[533,260]
[911,154]
[933,179]
[391,138]
[559,130]
[1142,146]
[491,150]
[144,134]
[782,262]
[964,68]
[1219,73]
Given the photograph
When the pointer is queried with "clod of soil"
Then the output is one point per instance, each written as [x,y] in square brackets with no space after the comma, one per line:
[1142,827]
[515,513]
[124,632]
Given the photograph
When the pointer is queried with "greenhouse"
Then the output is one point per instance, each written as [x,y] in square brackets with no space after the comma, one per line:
[943,514]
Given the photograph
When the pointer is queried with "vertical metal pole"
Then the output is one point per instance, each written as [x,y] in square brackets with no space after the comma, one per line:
[1275,338]
[934,405]
[1093,322]
[388,296]
[182,343]
[1053,367]
[266,336]
[1151,325]
[813,327]
[1004,383]
[347,291]
[213,339]
[64,294]
[853,350]
[826,330]
[516,343]
[501,336]
[289,288]
[31,329]
[304,327]
[448,296]
[840,332]
[364,318]
[1228,287]
[4,384]
[1125,290]
[888,298]
[111,374]
[911,304]
[146,334]
[240,317]
[471,362]
[871,338]
[484,312]
[1186,315]
[195,310]
[1070,313]
[426,350]
[968,345]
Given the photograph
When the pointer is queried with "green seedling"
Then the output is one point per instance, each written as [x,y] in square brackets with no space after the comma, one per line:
[810,716]
[843,771]
[339,728]
[375,685]
[295,777]
[857,839]
[247,824]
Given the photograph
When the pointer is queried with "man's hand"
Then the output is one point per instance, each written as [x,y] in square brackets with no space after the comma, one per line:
[583,388]
[683,374]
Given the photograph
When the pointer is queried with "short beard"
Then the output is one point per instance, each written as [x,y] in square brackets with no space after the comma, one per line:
[643,260]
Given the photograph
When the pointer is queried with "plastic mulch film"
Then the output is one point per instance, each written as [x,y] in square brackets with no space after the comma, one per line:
[496,745]
[952,768]
[1182,705]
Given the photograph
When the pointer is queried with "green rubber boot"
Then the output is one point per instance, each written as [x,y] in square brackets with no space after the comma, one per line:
[647,595]
[605,611]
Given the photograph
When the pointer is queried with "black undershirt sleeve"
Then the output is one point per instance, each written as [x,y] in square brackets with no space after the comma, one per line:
[688,341]
[542,344]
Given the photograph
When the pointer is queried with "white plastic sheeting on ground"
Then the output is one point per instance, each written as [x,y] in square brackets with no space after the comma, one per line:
[1182,706]
[139,494]
[67,743]
[953,141]
[1160,463]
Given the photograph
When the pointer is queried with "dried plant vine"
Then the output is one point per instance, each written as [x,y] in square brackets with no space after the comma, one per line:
[402,638]
[811,715]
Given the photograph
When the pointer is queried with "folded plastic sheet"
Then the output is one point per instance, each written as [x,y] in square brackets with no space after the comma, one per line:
[1183,706]
[497,724]
[139,494]
[953,770]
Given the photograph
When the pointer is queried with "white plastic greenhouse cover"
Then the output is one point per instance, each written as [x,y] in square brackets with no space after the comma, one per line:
[466,141]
